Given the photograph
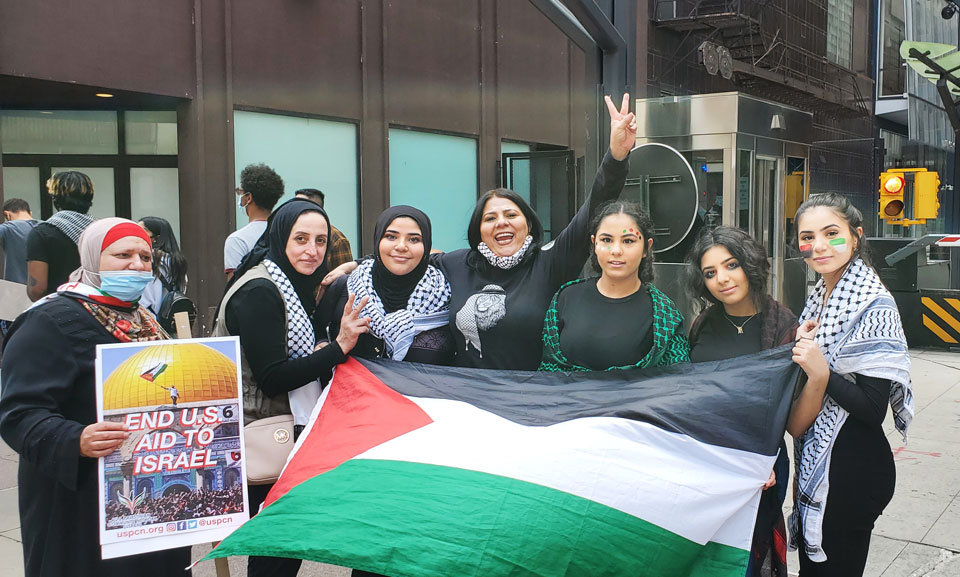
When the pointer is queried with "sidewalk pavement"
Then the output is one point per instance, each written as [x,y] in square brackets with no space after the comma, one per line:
[917,536]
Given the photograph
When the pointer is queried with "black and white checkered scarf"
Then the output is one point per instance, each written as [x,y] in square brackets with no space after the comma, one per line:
[860,332]
[427,308]
[505,262]
[300,342]
[70,223]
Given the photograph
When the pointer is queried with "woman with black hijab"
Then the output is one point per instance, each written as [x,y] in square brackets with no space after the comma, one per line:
[407,296]
[268,304]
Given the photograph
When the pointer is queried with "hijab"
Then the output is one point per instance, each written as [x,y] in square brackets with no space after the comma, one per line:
[272,244]
[127,322]
[395,290]
[97,237]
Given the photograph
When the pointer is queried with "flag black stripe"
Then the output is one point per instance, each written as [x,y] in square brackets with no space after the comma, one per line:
[740,403]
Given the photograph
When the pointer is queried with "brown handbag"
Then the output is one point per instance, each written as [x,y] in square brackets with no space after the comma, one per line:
[268,443]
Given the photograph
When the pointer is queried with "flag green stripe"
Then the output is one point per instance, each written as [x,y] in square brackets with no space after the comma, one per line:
[417,520]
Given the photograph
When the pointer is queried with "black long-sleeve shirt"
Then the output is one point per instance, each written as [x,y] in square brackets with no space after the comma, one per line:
[256,313]
[865,400]
[512,317]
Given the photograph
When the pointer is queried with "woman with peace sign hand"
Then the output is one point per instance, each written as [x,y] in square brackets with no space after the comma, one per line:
[502,285]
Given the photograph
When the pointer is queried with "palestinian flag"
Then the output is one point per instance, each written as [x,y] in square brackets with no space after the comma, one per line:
[152,373]
[420,471]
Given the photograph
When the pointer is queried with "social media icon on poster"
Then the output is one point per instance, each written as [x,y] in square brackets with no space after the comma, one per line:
[171,527]
[181,525]
[192,524]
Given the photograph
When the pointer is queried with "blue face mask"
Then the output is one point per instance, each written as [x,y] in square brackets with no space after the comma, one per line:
[126,285]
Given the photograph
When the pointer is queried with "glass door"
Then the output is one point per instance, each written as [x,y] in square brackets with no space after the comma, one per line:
[766,215]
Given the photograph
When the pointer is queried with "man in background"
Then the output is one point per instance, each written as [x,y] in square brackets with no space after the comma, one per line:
[18,223]
[52,245]
[260,189]
[338,251]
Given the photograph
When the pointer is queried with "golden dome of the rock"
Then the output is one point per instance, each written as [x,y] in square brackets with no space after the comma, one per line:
[199,373]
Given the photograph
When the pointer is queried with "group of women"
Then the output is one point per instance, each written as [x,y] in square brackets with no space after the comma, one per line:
[507,302]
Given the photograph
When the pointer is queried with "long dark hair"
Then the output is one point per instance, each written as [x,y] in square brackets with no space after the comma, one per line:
[741,246]
[842,206]
[474,258]
[644,223]
[165,245]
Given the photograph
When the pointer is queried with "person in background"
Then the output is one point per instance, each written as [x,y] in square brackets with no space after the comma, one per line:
[618,320]
[18,223]
[726,275]
[338,251]
[48,409]
[260,189]
[52,253]
[850,336]
[170,266]
[13,244]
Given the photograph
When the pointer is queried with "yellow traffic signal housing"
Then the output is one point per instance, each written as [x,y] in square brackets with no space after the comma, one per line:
[926,204]
[891,195]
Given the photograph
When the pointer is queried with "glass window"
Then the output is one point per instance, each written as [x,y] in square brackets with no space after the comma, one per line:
[150,132]
[892,70]
[840,32]
[306,153]
[156,192]
[58,132]
[521,170]
[743,190]
[437,174]
[23,182]
[104,195]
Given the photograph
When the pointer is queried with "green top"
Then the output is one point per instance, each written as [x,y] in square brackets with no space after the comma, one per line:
[670,345]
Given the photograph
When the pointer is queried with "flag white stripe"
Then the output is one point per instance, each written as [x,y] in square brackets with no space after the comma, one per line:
[698,491]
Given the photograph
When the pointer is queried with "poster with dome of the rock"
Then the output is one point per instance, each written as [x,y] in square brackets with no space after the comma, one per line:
[179,477]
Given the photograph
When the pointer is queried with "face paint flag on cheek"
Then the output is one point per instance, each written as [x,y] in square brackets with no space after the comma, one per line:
[839,244]
[806,250]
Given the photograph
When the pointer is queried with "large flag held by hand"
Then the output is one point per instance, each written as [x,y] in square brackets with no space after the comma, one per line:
[421,471]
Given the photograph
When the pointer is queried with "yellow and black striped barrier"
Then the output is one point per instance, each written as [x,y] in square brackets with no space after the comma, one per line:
[940,314]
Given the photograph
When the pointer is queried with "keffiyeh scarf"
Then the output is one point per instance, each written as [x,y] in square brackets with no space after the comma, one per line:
[300,342]
[859,332]
[505,262]
[427,308]
[70,223]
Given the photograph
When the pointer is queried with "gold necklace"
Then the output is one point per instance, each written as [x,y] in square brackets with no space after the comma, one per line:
[739,327]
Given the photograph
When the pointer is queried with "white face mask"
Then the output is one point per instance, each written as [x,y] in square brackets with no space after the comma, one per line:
[240,203]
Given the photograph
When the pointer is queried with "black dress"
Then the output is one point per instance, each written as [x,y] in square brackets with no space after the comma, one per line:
[48,398]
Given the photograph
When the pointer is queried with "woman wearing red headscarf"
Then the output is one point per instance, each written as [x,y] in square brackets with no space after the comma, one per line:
[48,409]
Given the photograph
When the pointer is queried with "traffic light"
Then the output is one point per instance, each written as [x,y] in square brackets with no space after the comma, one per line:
[926,205]
[891,196]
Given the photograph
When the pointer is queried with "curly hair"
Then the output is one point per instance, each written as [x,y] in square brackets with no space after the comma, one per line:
[643,222]
[843,208]
[263,183]
[741,246]
[71,190]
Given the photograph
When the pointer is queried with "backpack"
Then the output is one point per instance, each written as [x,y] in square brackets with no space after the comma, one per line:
[174,301]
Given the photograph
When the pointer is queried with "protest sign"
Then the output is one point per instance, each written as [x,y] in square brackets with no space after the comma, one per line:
[179,479]
[13,300]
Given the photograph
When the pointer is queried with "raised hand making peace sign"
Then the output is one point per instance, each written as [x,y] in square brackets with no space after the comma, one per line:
[351,325]
[623,128]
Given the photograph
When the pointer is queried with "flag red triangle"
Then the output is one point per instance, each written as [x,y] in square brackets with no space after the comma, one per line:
[359,413]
